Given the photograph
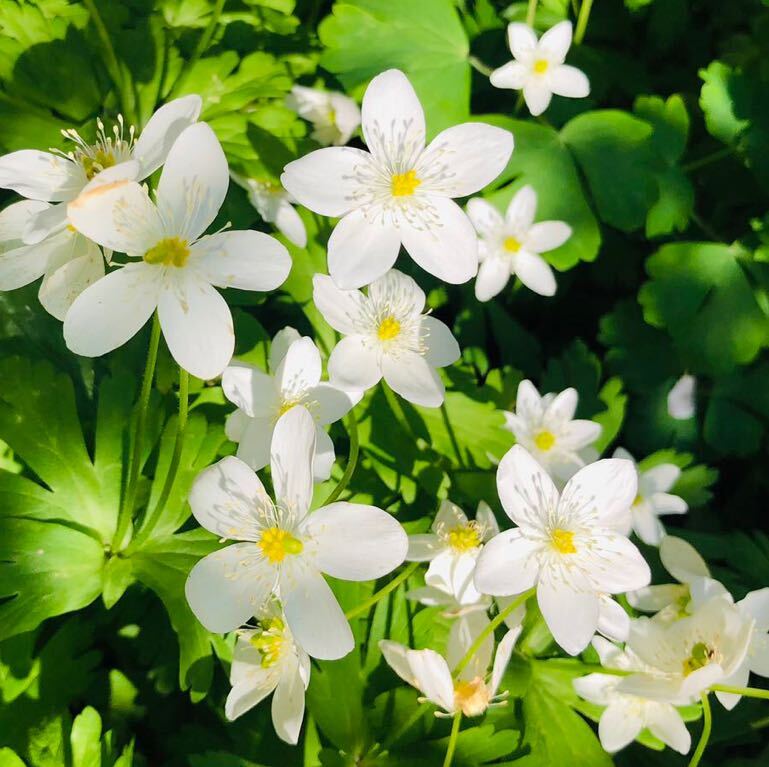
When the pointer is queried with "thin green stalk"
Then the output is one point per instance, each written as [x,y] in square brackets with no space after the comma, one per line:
[708,159]
[582,19]
[419,712]
[396,408]
[129,499]
[352,461]
[531,12]
[452,747]
[489,630]
[479,66]
[378,596]
[707,726]
[748,692]
[201,47]
[452,435]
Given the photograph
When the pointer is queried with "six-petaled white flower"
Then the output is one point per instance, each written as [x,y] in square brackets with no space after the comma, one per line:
[511,244]
[400,192]
[386,335]
[334,116]
[538,67]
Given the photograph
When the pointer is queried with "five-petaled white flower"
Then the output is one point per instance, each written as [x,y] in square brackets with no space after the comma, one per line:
[267,659]
[538,68]
[262,398]
[176,268]
[511,245]
[546,427]
[569,547]
[334,116]
[653,499]
[283,549]
[274,204]
[386,336]
[400,192]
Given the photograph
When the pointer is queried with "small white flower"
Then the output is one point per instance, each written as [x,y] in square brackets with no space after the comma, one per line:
[511,245]
[568,546]
[386,335]
[172,267]
[400,192]
[267,659]
[653,499]
[274,205]
[334,116]
[538,68]
[682,398]
[283,549]
[262,398]
[546,427]
[625,715]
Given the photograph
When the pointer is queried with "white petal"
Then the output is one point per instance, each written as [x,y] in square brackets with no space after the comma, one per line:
[596,688]
[682,403]
[614,565]
[396,657]
[508,564]
[526,491]
[547,235]
[324,456]
[464,631]
[423,547]
[537,97]
[493,275]
[485,517]
[665,503]
[330,403]
[432,677]
[279,346]
[289,223]
[660,478]
[194,182]
[347,114]
[63,285]
[255,442]
[288,704]
[449,516]
[361,249]
[441,348]
[486,219]
[15,218]
[560,407]
[652,599]
[528,404]
[502,657]
[535,273]
[41,175]
[340,308]
[681,560]
[554,44]
[756,604]
[354,364]
[411,298]
[665,723]
[575,435]
[357,542]
[448,249]
[197,325]
[520,213]
[22,264]
[758,657]
[250,389]
[410,375]
[112,310]
[613,621]
[568,81]
[300,368]
[293,448]
[162,129]
[522,40]
[511,75]
[247,694]
[619,726]
[44,223]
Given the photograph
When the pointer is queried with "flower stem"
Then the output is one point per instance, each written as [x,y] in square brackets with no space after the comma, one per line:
[364,607]
[396,408]
[707,725]
[582,19]
[352,461]
[453,739]
[707,159]
[531,12]
[481,638]
[748,692]
[419,712]
[201,47]
[129,499]
[479,66]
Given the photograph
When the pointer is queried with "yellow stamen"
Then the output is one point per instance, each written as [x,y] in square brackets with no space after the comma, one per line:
[404,184]
[471,698]
[638,500]
[464,537]
[276,543]
[270,641]
[700,657]
[388,329]
[285,407]
[97,163]
[544,440]
[540,66]
[563,541]
[511,245]
[170,251]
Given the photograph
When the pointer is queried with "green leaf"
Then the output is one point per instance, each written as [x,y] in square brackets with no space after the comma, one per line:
[9,759]
[86,739]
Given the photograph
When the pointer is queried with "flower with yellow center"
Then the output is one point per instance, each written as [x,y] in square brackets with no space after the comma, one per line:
[334,116]
[544,440]
[276,544]
[540,66]
[563,541]
[464,538]
[405,184]
[170,251]
[389,328]
[471,698]
[511,244]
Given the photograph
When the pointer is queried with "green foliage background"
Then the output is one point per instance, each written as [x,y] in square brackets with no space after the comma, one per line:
[663,172]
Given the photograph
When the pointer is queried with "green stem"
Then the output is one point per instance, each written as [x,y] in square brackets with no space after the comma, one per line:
[479,66]
[201,47]
[396,408]
[708,159]
[452,747]
[129,499]
[707,725]
[452,435]
[748,692]
[352,462]
[582,19]
[489,630]
[419,712]
[364,607]
[531,12]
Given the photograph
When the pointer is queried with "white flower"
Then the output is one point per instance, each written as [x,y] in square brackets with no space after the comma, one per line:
[546,427]
[538,67]
[653,499]
[267,659]
[511,245]
[284,550]
[176,268]
[334,116]
[569,547]
[386,335]
[625,715]
[66,260]
[262,399]
[430,673]
[400,192]
[274,205]
[682,398]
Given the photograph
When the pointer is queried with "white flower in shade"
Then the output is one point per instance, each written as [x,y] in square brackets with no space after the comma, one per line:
[400,192]
[682,398]
[60,177]
[653,499]
[430,673]
[283,549]
[334,116]
[267,659]
[625,716]
[274,205]
[511,245]
[172,267]
[262,398]
[66,260]
[569,547]
[546,427]
[386,335]
[538,67]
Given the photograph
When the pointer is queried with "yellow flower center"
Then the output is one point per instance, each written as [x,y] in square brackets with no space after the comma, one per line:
[544,440]
[700,657]
[276,543]
[563,541]
[471,698]
[170,251]
[638,500]
[540,66]
[464,537]
[388,329]
[332,116]
[511,245]
[270,641]
[97,163]
[404,184]
[285,407]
